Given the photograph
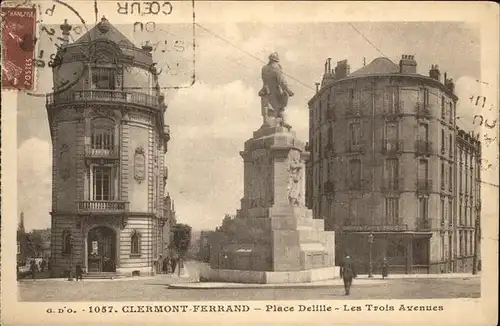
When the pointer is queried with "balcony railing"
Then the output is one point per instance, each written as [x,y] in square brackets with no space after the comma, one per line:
[424,186]
[100,95]
[422,110]
[395,112]
[376,228]
[329,187]
[423,225]
[356,185]
[423,147]
[393,185]
[329,150]
[111,152]
[392,147]
[102,206]
[355,148]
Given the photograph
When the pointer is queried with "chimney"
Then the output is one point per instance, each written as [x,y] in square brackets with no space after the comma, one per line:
[450,84]
[65,28]
[342,69]
[434,73]
[317,87]
[407,64]
[329,65]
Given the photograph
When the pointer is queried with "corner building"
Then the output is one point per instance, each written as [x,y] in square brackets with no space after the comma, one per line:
[109,139]
[383,144]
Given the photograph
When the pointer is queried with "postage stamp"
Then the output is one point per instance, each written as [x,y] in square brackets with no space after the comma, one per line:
[264,163]
[18,46]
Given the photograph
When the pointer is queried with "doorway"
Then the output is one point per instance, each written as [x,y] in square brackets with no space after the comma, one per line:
[101,249]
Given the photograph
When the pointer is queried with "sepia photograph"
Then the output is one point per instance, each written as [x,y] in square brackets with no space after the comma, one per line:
[190,157]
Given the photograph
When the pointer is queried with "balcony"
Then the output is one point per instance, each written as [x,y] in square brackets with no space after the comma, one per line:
[166,132]
[392,147]
[113,152]
[423,225]
[330,113]
[393,185]
[423,147]
[356,185]
[103,96]
[351,147]
[329,187]
[424,186]
[422,110]
[102,206]
[395,112]
[376,228]
[329,150]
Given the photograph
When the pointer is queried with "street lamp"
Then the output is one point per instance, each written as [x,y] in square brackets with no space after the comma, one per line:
[370,242]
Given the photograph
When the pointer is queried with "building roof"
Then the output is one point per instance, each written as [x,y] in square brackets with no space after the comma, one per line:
[381,65]
[105,30]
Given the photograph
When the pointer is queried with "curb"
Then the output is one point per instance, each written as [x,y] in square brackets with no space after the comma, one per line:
[195,286]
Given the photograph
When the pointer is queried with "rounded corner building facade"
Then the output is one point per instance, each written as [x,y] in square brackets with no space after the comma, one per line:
[109,140]
[384,165]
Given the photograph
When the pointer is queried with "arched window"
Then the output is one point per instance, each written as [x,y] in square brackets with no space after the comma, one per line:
[103,134]
[66,242]
[135,243]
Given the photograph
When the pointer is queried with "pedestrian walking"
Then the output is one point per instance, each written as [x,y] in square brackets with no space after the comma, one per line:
[165,265]
[79,272]
[33,268]
[43,264]
[385,268]
[173,263]
[347,272]
[159,266]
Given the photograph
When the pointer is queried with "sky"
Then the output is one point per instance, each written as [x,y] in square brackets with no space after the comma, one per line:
[211,120]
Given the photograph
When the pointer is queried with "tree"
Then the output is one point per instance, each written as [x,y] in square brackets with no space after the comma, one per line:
[35,243]
[181,240]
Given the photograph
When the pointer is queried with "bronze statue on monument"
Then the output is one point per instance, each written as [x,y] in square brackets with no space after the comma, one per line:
[274,93]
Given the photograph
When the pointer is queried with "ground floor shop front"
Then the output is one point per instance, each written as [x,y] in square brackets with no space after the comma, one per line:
[406,253]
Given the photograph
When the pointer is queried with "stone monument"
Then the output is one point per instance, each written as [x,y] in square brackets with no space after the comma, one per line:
[273,238]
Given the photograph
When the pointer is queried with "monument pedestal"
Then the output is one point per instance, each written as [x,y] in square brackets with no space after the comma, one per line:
[273,238]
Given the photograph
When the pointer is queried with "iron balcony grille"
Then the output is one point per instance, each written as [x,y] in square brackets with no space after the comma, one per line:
[355,147]
[424,185]
[103,206]
[392,147]
[422,110]
[423,147]
[109,152]
[423,224]
[100,95]
[393,185]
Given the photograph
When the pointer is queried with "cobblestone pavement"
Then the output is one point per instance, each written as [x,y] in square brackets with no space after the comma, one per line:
[156,289]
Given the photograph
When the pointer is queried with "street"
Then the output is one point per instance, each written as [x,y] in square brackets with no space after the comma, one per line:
[156,289]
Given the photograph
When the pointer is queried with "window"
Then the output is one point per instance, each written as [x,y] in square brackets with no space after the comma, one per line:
[443,113]
[103,78]
[330,137]
[450,212]
[135,243]
[422,208]
[443,142]
[461,244]
[102,134]
[355,134]
[18,248]
[471,242]
[450,110]
[450,145]
[392,211]
[460,177]
[443,211]
[423,170]
[423,133]
[460,207]
[392,99]
[355,172]
[466,247]
[392,173]
[102,183]
[424,96]
[443,176]
[351,95]
[442,248]
[450,177]
[353,211]
[66,242]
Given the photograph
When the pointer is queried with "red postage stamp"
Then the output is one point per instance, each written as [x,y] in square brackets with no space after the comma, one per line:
[18,46]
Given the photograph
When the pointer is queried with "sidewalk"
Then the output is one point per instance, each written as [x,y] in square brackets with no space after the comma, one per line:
[360,280]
